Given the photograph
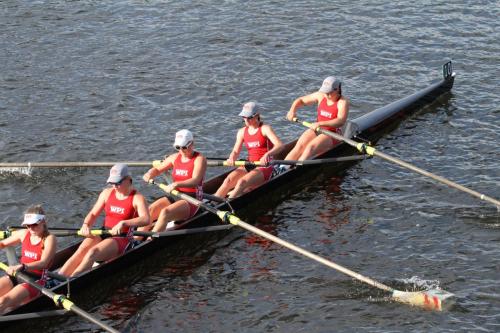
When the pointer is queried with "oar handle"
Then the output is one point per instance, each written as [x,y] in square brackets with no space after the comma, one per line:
[72,164]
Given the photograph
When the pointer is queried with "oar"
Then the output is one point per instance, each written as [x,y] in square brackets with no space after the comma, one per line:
[99,232]
[289,162]
[59,300]
[429,299]
[366,149]
[73,164]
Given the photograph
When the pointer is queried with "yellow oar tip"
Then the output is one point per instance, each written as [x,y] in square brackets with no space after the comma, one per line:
[430,300]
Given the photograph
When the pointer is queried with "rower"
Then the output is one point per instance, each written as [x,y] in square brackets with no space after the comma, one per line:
[261,143]
[124,207]
[332,112]
[38,250]
[188,171]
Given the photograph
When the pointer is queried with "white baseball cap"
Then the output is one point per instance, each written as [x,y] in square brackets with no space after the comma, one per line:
[183,138]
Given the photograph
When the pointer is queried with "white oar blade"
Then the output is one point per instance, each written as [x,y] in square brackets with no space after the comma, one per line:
[435,299]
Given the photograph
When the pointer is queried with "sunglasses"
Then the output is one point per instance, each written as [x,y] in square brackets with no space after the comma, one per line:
[118,183]
[183,147]
[249,117]
[34,224]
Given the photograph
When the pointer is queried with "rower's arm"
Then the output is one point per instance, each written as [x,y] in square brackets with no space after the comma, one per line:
[97,209]
[277,144]
[141,207]
[300,102]
[235,153]
[13,239]
[155,171]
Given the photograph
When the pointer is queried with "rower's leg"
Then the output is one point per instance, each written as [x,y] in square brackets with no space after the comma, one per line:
[230,182]
[177,211]
[105,250]
[73,262]
[318,145]
[5,285]
[301,144]
[250,181]
[154,212]
[13,298]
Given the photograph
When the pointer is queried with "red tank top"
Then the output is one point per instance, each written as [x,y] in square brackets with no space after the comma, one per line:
[30,252]
[119,210]
[257,144]
[184,171]
[327,112]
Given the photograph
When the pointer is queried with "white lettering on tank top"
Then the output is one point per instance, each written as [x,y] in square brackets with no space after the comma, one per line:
[325,114]
[181,172]
[117,210]
[254,144]
[31,255]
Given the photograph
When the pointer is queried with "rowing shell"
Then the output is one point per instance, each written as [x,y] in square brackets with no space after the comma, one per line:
[369,127]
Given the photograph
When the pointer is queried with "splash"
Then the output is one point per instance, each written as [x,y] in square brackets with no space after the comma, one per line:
[27,171]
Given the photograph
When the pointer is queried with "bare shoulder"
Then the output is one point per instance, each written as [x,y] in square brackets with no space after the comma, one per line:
[344,100]
[266,128]
[51,239]
[138,197]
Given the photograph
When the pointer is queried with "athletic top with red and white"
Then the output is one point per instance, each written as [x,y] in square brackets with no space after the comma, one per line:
[31,252]
[327,112]
[184,171]
[119,210]
[257,144]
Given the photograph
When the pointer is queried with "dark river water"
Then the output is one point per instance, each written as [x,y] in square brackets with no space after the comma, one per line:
[106,81]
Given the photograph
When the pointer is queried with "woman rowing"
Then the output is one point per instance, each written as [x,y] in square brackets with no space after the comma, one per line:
[38,248]
[332,112]
[261,143]
[188,171]
[124,208]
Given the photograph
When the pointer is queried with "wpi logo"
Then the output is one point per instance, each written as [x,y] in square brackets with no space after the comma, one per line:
[118,210]
[254,144]
[181,172]
[325,114]
[31,255]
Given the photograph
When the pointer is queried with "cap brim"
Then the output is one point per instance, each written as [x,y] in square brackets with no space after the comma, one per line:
[113,180]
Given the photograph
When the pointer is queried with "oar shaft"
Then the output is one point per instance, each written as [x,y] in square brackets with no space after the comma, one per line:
[374,152]
[223,215]
[236,163]
[73,164]
[437,178]
[60,300]
[288,162]
[236,221]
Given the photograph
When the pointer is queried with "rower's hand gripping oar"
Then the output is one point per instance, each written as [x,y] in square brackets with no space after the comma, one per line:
[366,149]
[59,300]
[432,300]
